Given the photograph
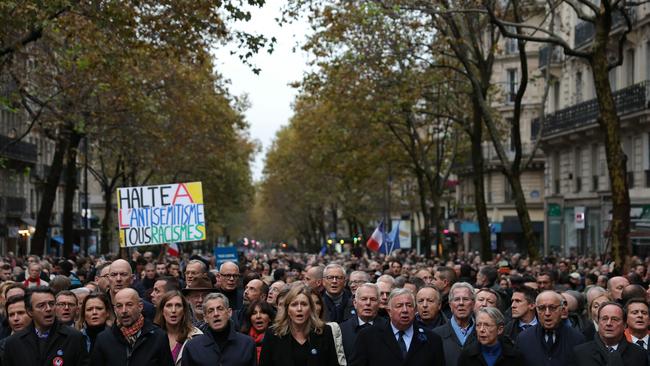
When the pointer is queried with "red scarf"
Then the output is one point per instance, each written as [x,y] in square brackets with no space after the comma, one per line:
[257,338]
[131,333]
[29,279]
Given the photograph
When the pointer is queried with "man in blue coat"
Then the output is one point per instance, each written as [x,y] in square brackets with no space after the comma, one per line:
[550,342]
[221,344]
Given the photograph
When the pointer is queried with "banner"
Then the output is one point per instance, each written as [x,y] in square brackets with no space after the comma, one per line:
[225,254]
[151,215]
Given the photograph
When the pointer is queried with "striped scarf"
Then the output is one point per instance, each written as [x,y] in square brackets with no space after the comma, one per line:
[131,333]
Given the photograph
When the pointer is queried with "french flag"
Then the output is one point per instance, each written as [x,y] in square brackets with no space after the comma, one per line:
[172,250]
[377,238]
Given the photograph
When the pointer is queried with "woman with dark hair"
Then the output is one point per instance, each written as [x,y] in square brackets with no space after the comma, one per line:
[173,316]
[95,315]
[318,306]
[298,336]
[260,315]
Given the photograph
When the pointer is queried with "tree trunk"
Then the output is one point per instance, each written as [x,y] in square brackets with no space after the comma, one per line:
[68,197]
[107,223]
[49,195]
[477,179]
[610,125]
[524,217]
[425,238]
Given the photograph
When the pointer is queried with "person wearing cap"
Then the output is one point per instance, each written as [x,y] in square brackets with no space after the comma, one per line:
[195,294]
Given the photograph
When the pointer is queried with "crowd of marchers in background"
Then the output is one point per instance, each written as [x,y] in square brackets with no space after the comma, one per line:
[274,308]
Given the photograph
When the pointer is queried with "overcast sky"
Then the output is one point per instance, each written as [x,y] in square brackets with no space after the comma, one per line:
[269,93]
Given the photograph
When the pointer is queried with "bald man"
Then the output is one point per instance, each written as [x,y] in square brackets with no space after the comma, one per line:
[120,277]
[230,285]
[615,287]
[132,340]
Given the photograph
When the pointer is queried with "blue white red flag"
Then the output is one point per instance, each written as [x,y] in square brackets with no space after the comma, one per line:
[377,238]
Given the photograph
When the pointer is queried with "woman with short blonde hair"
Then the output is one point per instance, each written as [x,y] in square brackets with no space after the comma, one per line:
[298,336]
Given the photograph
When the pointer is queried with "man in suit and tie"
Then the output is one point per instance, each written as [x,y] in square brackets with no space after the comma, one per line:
[637,322]
[459,332]
[609,347]
[551,341]
[399,342]
[366,305]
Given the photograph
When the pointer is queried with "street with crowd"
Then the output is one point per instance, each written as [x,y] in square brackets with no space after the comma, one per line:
[276,308]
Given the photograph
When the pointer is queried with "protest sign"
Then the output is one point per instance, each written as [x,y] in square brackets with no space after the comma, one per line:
[169,213]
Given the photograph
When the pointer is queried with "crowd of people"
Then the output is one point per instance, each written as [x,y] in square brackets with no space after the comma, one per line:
[274,308]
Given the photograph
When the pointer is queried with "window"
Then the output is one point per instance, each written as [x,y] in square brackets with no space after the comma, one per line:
[579,97]
[511,43]
[512,82]
[612,79]
[629,67]
[556,173]
[556,95]
[594,168]
[577,169]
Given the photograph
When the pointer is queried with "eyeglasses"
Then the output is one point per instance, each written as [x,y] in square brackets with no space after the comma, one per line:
[551,308]
[69,305]
[332,278]
[232,276]
[44,305]
[485,325]
[461,299]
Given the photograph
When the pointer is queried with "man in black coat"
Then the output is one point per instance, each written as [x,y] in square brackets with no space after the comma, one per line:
[366,304]
[550,342]
[523,312]
[609,348]
[399,342]
[428,314]
[132,340]
[335,298]
[45,341]
[221,344]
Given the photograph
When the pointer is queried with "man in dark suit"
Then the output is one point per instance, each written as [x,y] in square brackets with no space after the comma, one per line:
[335,298]
[550,342]
[609,348]
[523,312]
[366,304]
[459,332]
[399,342]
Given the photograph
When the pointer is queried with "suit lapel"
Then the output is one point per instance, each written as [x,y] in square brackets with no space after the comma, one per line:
[387,336]
[418,340]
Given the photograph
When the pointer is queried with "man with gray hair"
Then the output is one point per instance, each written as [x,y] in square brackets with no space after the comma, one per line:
[221,344]
[366,305]
[407,344]
[459,332]
[335,299]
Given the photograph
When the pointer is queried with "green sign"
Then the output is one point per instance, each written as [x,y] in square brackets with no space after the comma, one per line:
[554,210]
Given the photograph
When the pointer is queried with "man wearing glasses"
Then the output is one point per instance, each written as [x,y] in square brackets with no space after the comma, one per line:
[45,341]
[550,342]
[336,299]
[459,332]
[229,284]
[610,346]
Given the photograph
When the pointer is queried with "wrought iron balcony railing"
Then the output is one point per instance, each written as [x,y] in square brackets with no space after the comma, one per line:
[634,98]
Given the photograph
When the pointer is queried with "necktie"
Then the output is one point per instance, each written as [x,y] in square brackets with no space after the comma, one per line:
[525,326]
[610,349]
[402,344]
[549,339]
[641,343]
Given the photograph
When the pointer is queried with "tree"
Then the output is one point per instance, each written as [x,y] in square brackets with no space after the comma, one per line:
[602,54]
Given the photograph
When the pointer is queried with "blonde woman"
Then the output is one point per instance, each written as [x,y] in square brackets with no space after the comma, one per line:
[298,336]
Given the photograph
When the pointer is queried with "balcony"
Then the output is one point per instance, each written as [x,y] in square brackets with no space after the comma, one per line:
[557,55]
[632,99]
[20,151]
[13,206]
[584,32]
